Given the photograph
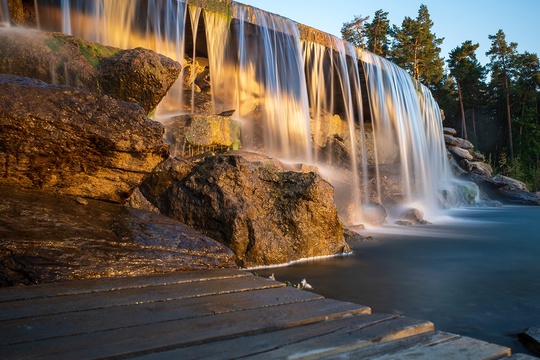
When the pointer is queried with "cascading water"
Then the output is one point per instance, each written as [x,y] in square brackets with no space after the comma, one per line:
[4,14]
[333,80]
[262,75]
[260,68]
[408,131]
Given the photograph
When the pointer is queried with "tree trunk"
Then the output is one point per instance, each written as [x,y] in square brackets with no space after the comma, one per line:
[509,119]
[463,122]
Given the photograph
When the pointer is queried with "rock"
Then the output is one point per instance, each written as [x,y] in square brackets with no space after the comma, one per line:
[412,217]
[16,11]
[481,168]
[478,156]
[465,165]
[138,201]
[460,153]
[459,142]
[197,74]
[374,214]
[455,167]
[505,189]
[194,134]
[511,184]
[51,238]
[74,142]
[265,215]
[520,197]
[449,131]
[352,237]
[531,338]
[137,75]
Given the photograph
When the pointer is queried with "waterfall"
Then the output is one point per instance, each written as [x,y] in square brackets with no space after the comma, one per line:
[408,131]
[4,14]
[296,100]
[261,76]
[333,80]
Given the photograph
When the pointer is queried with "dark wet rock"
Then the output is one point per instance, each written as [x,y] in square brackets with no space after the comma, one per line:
[521,197]
[412,217]
[352,237]
[74,142]
[138,201]
[247,202]
[137,75]
[531,338]
[49,238]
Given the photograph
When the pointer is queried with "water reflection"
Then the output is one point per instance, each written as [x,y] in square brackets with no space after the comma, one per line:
[476,274]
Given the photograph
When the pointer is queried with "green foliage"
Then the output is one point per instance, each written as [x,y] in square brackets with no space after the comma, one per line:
[353,31]
[377,33]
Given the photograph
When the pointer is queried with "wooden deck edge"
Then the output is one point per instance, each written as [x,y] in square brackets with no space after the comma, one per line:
[87,286]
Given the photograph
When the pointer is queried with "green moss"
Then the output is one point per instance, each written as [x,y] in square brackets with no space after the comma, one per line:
[94,53]
[55,44]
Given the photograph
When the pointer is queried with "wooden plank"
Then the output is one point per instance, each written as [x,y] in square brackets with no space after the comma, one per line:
[136,295]
[81,322]
[390,347]
[522,357]
[106,284]
[347,340]
[260,343]
[173,334]
[458,348]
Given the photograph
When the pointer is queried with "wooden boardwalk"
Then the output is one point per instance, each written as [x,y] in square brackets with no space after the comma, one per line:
[214,314]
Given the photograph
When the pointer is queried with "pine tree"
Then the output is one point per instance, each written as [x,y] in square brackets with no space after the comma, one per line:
[377,33]
[416,48]
[353,31]
[469,75]
[502,59]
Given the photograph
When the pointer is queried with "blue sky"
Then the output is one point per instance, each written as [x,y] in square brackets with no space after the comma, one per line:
[455,20]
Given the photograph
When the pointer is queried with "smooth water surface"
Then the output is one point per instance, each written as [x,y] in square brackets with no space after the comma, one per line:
[475,273]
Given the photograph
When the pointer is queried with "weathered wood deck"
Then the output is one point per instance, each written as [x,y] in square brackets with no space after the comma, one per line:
[214,314]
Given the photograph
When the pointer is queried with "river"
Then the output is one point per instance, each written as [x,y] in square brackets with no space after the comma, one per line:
[476,272]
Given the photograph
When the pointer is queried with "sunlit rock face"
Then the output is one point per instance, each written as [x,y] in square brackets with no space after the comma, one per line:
[71,141]
[136,75]
[264,213]
[51,238]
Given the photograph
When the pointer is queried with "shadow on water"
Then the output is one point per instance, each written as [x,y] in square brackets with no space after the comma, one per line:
[475,273]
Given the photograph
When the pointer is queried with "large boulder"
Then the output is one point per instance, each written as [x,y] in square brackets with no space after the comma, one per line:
[137,75]
[50,238]
[264,214]
[504,189]
[75,142]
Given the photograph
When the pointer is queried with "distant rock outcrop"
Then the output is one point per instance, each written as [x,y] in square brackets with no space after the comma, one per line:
[250,203]
[74,142]
[470,165]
